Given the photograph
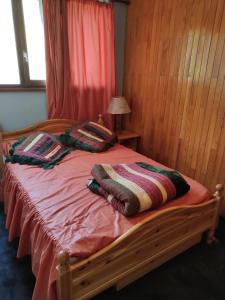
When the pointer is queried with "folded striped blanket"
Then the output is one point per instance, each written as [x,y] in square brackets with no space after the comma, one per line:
[89,136]
[136,187]
[39,148]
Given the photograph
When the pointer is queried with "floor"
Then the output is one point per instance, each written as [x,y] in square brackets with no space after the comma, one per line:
[199,273]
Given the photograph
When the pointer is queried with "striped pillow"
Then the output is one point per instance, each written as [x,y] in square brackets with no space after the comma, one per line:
[39,148]
[89,136]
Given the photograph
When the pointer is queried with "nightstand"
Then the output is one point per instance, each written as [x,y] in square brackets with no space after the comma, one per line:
[128,138]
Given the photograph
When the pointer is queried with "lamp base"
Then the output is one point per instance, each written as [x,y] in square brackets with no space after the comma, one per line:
[118,123]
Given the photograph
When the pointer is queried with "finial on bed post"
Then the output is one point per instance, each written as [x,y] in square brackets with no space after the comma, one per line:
[218,192]
[219,196]
[63,261]
[100,120]
[220,209]
[64,282]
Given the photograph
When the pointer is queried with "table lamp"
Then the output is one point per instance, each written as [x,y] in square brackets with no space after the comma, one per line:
[118,107]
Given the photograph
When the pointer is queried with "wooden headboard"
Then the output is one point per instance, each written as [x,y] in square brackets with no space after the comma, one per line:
[51,126]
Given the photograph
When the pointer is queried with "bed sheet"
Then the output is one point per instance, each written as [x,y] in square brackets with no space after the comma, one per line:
[53,210]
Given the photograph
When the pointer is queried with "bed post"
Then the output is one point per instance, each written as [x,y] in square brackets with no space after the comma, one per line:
[219,195]
[219,210]
[64,281]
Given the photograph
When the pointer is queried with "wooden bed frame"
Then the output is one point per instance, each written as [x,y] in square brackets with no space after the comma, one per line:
[141,249]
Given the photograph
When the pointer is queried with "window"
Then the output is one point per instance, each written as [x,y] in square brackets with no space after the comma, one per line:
[22,53]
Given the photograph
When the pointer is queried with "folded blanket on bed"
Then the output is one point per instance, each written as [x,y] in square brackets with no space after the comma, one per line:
[137,187]
[38,148]
[89,136]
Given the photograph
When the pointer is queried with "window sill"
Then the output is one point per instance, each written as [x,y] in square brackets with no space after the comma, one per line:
[22,89]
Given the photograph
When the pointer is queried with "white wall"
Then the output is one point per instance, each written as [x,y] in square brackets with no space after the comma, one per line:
[21,109]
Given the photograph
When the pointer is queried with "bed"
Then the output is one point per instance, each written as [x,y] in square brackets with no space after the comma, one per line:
[40,209]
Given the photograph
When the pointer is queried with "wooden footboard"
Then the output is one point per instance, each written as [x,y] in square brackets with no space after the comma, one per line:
[140,250]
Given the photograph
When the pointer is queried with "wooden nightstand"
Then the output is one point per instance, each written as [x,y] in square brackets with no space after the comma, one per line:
[128,138]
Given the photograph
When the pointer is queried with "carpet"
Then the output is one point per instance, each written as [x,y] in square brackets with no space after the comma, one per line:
[198,273]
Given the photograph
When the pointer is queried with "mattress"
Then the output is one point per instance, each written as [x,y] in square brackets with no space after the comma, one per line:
[53,210]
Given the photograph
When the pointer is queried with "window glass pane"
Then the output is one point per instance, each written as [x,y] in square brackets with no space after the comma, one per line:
[34,29]
[9,70]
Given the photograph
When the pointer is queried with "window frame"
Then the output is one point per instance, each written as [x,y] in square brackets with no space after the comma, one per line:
[21,48]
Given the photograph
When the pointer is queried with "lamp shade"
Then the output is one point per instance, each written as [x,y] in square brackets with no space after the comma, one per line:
[118,106]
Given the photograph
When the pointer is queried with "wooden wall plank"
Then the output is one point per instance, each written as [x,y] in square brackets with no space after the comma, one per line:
[175,83]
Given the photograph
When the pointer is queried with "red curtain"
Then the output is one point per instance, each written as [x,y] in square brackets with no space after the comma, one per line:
[80,58]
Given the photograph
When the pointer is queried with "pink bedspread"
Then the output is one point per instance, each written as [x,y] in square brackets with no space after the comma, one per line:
[53,210]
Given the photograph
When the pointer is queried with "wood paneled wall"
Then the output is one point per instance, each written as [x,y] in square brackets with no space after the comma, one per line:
[174,81]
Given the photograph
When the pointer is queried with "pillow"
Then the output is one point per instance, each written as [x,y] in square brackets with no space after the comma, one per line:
[89,136]
[38,148]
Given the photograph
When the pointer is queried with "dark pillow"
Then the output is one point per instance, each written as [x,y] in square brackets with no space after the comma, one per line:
[39,148]
[89,136]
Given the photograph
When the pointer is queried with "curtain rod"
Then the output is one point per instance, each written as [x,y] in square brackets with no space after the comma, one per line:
[122,1]
[112,1]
